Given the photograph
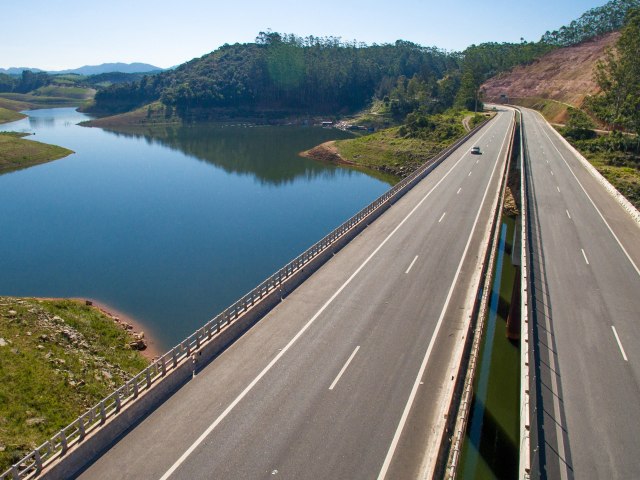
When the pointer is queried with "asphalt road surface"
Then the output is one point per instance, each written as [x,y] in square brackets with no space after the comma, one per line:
[350,376]
[586,253]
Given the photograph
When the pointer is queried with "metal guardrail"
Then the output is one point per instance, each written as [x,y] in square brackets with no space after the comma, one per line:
[524,468]
[57,446]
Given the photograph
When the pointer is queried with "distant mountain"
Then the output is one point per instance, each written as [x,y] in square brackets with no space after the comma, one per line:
[18,70]
[92,69]
[113,67]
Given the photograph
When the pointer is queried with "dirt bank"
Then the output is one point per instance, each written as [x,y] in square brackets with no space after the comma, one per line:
[326,152]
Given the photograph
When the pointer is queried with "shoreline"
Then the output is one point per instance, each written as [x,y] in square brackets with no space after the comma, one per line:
[153,349]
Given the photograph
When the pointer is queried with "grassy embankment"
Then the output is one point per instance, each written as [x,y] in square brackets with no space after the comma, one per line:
[57,359]
[153,114]
[7,115]
[52,96]
[398,150]
[617,158]
[17,153]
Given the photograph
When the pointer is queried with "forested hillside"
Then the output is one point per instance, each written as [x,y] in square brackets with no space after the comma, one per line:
[314,75]
[595,22]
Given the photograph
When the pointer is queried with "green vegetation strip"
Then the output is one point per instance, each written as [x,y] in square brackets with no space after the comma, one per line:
[17,153]
[7,115]
[57,359]
[400,150]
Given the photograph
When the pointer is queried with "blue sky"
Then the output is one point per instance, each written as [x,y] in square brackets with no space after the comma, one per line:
[62,34]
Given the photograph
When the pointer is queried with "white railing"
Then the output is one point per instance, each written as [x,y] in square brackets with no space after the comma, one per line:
[32,464]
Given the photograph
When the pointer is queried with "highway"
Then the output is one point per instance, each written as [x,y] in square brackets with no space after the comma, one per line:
[585,256]
[350,376]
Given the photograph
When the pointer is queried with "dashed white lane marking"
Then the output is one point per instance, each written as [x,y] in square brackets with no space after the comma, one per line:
[585,256]
[624,250]
[425,360]
[458,191]
[469,174]
[568,214]
[414,261]
[624,355]
[295,338]
[551,172]
[442,217]
[345,366]
[558,188]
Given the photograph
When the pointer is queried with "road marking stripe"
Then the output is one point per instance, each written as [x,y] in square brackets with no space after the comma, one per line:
[345,366]
[266,369]
[568,215]
[477,161]
[414,261]
[585,256]
[458,191]
[558,188]
[624,355]
[469,174]
[425,360]
[551,172]
[593,203]
[442,217]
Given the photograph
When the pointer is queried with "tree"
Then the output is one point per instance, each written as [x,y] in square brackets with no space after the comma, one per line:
[619,78]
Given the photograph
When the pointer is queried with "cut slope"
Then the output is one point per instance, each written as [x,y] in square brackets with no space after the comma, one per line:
[564,75]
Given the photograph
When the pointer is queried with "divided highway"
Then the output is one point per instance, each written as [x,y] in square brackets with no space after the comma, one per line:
[350,376]
[585,259]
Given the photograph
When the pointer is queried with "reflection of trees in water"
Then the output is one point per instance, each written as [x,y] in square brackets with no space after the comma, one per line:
[268,153]
[39,122]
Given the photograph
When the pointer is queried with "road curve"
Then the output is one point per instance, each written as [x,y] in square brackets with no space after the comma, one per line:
[350,375]
[586,255]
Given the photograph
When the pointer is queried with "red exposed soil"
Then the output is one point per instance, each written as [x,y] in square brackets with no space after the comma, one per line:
[564,75]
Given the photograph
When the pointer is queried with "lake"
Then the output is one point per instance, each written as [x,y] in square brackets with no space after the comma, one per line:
[168,226]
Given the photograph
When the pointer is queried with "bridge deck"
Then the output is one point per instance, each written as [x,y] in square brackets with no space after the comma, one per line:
[321,387]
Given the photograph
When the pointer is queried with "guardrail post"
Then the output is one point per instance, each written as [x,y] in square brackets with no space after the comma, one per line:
[163,366]
[38,458]
[15,473]
[81,428]
[63,442]
[148,375]
[118,402]
[175,358]
[103,412]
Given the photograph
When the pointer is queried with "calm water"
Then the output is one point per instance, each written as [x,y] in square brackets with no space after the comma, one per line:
[171,227]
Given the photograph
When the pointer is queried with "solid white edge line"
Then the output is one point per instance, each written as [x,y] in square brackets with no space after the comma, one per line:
[411,265]
[344,368]
[585,256]
[559,428]
[593,203]
[442,217]
[425,360]
[624,355]
[237,400]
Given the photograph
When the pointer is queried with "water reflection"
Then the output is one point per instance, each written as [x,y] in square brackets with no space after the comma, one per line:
[169,226]
[246,150]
